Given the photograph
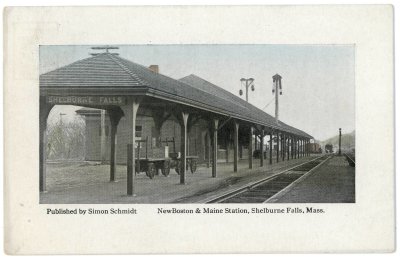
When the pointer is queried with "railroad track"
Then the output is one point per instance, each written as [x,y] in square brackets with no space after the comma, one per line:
[350,159]
[265,189]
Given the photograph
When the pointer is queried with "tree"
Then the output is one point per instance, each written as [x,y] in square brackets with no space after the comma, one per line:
[66,140]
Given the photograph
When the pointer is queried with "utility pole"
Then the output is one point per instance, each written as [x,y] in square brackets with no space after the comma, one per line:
[106,48]
[340,141]
[277,81]
[248,83]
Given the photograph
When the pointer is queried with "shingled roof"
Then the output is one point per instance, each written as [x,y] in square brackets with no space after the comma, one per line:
[110,74]
[217,91]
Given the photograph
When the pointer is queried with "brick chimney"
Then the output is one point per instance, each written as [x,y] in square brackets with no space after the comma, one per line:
[154,68]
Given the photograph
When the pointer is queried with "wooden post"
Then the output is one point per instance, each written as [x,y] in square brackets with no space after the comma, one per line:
[208,137]
[270,147]
[44,110]
[293,140]
[159,117]
[298,148]
[294,147]
[103,138]
[277,146]
[114,120]
[306,147]
[251,133]
[130,112]
[262,148]
[235,145]
[184,132]
[137,167]
[130,165]
[215,147]
[255,142]
[283,147]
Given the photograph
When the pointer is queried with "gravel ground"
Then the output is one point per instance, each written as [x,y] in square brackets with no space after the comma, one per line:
[89,184]
[333,182]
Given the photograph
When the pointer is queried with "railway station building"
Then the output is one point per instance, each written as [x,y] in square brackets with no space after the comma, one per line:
[133,112]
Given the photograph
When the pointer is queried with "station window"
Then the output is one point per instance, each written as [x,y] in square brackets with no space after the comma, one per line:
[138,130]
[138,136]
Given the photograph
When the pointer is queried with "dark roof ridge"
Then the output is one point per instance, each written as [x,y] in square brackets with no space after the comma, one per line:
[148,70]
[127,70]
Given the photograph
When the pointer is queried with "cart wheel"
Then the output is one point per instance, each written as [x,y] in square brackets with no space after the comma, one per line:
[193,166]
[151,170]
[178,167]
[165,168]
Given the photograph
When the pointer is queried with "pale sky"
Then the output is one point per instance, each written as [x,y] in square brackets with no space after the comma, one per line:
[317,80]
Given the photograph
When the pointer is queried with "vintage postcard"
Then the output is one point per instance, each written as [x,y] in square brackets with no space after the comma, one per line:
[163,125]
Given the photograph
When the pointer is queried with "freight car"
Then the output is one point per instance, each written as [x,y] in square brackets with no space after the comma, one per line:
[313,148]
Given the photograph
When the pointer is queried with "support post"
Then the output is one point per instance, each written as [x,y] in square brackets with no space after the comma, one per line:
[283,147]
[235,145]
[44,110]
[270,147]
[103,136]
[288,147]
[340,141]
[277,146]
[208,150]
[292,153]
[262,148]
[251,133]
[215,147]
[298,148]
[184,131]
[159,117]
[114,120]
[301,148]
[130,112]
[294,148]
[307,147]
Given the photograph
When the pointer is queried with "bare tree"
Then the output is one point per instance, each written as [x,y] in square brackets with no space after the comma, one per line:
[66,140]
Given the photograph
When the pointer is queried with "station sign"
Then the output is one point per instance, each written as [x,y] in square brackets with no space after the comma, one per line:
[82,100]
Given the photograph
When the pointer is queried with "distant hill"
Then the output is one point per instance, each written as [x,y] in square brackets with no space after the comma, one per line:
[348,140]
